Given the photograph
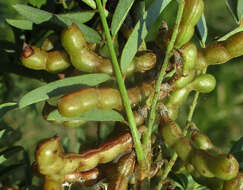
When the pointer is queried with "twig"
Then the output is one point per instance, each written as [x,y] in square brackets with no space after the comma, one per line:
[136,139]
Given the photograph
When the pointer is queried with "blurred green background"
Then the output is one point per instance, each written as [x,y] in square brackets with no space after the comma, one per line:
[218,114]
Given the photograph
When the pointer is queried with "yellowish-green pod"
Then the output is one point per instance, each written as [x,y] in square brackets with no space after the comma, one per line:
[201,141]
[34,58]
[193,10]
[57,61]
[86,60]
[204,83]
[222,166]
[189,55]
[73,40]
[234,44]
[201,62]
[235,183]
[182,81]
[84,100]
[216,53]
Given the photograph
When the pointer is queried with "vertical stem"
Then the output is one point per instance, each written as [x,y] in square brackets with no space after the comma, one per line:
[152,114]
[123,91]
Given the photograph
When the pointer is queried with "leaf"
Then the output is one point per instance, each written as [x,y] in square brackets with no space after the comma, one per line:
[2,159]
[235,31]
[90,3]
[60,87]
[35,15]
[232,6]
[7,171]
[92,115]
[78,17]
[240,9]
[202,30]
[21,24]
[140,31]
[120,14]
[37,3]
[2,132]
[4,108]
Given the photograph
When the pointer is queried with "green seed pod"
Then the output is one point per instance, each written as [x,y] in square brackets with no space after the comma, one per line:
[216,53]
[183,148]
[45,159]
[224,167]
[109,99]
[178,96]
[34,58]
[88,61]
[234,44]
[50,184]
[183,81]
[73,40]
[235,183]
[145,62]
[57,61]
[185,34]
[192,12]
[200,160]
[201,62]
[78,102]
[204,83]
[201,141]
[170,132]
[189,55]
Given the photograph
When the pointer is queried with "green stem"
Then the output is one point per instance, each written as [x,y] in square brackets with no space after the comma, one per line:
[168,167]
[152,114]
[123,91]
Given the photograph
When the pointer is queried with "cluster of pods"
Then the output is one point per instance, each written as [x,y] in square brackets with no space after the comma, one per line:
[201,159]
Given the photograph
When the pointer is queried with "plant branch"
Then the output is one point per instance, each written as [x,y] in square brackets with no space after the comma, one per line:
[152,114]
[123,91]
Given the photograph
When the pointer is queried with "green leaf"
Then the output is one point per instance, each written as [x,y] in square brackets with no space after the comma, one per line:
[2,132]
[232,6]
[35,15]
[235,31]
[21,24]
[2,159]
[78,17]
[92,115]
[60,87]
[37,3]
[4,108]
[120,14]
[90,3]
[140,31]
[202,30]
[240,9]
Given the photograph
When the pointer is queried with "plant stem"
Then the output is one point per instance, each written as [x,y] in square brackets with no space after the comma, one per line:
[152,114]
[166,171]
[136,137]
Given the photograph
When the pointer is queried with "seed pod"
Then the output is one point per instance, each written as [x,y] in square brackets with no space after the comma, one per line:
[57,61]
[50,184]
[234,44]
[201,62]
[216,53]
[49,43]
[34,58]
[192,12]
[86,60]
[73,40]
[182,81]
[222,166]
[84,100]
[204,83]
[189,55]
[201,141]
[235,183]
